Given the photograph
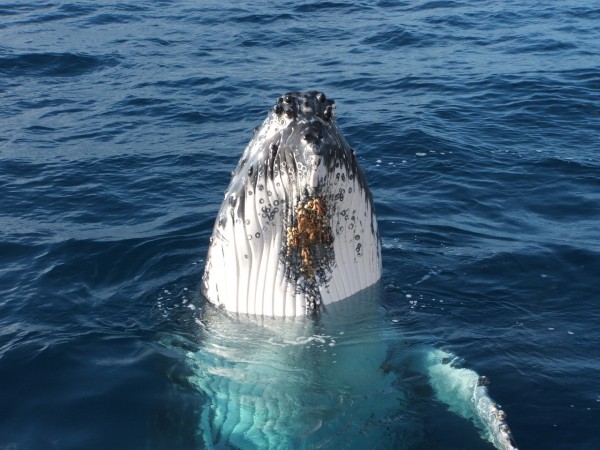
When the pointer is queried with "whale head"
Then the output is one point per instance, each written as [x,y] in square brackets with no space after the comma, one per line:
[297,229]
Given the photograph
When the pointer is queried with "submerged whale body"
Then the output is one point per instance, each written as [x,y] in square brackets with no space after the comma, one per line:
[297,353]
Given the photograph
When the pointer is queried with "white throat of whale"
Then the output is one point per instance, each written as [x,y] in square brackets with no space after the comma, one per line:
[297,228]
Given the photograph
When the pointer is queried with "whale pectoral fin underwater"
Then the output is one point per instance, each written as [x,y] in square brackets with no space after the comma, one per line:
[466,394]
[295,353]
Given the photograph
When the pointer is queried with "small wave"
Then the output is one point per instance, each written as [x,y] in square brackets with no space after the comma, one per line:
[62,12]
[320,6]
[209,84]
[545,46]
[395,38]
[437,4]
[53,64]
[582,12]
[261,18]
[107,19]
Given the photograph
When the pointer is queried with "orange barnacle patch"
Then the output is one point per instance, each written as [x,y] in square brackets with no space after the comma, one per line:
[311,231]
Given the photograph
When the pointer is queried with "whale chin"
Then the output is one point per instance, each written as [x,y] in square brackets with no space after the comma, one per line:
[297,228]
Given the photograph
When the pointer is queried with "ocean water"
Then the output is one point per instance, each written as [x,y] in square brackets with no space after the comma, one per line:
[477,124]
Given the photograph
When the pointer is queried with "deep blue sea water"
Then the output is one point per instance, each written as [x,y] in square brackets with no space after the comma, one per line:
[476,122]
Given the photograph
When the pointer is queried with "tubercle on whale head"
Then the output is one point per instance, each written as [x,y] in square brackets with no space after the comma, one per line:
[311,105]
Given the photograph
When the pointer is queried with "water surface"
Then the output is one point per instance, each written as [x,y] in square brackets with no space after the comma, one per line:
[475,122]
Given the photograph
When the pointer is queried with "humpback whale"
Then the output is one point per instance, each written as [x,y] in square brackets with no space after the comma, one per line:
[296,353]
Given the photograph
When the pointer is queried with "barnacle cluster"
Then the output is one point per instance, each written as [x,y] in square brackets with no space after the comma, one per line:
[311,229]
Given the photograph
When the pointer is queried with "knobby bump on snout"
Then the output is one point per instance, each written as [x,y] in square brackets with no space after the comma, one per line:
[297,229]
